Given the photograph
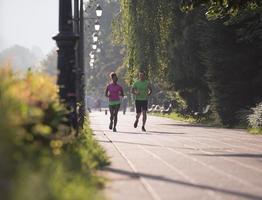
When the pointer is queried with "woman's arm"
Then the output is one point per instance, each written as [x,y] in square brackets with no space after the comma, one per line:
[106,92]
[121,92]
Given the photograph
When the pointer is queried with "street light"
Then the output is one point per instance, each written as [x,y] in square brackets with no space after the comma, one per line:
[97,26]
[84,9]
[94,46]
[92,56]
[99,11]
[95,37]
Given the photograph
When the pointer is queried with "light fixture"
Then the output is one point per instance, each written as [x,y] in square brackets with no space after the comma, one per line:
[92,56]
[92,60]
[98,11]
[95,37]
[97,26]
[94,46]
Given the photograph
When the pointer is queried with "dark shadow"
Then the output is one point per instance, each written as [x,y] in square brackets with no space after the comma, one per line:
[134,143]
[206,126]
[128,132]
[199,186]
[192,125]
[151,145]
[163,132]
[119,132]
[241,155]
[147,132]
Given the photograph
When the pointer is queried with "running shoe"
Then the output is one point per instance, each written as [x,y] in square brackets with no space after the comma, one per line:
[111,125]
[143,129]
[135,124]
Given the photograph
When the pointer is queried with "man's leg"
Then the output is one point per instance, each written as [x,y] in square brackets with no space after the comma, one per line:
[137,118]
[144,110]
[138,113]
[144,118]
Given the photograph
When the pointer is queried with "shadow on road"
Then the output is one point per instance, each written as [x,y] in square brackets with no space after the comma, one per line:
[144,133]
[243,155]
[193,125]
[133,143]
[163,132]
[196,186]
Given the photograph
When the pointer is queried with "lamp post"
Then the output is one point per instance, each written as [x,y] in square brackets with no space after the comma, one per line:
[66,40]
[71,70]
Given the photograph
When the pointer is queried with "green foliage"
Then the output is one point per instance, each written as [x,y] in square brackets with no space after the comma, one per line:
[221,8]
[232,68]
[255,118]
[179,117]
[40,155]
[255,131]
[206,62]
[49,64]
[162,40]
[93,156]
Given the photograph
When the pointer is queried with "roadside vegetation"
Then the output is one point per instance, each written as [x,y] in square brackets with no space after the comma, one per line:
[40,156]
[205,52]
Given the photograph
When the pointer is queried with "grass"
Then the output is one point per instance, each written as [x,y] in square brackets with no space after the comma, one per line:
[255,131]
[177,117]
[189,119]
[208,122]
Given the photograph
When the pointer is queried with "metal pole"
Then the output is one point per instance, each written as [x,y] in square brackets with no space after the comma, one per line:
[82,111]
[66,40]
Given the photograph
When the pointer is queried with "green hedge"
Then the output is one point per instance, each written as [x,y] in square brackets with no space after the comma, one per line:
[40,156]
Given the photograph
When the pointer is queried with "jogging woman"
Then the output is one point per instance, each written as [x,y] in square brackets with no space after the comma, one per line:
[113,92]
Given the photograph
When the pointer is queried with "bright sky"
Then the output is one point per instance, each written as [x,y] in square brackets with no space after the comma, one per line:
[28,23]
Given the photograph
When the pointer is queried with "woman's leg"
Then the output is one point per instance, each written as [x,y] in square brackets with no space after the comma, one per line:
[115,115]
[111,117]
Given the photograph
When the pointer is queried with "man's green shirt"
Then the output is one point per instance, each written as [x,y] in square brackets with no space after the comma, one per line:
[142,88]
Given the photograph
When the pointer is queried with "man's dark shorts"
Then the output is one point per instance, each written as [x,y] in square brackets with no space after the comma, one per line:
[141,106]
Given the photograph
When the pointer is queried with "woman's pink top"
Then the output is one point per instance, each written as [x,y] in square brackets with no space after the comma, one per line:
[114,91]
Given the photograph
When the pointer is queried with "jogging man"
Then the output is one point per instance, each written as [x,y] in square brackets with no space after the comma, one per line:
[141,89]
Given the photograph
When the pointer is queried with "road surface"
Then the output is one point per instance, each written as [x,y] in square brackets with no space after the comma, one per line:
[175,160]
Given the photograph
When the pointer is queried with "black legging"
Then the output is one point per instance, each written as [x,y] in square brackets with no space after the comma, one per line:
[113,114]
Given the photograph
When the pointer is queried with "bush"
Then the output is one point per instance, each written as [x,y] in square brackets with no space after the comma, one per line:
[40,156]
[255,119]
[242,117]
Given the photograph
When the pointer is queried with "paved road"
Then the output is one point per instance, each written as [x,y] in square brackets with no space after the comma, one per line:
[175,160]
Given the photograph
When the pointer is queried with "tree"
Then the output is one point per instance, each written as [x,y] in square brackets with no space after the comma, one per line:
[220,9]
[49,64]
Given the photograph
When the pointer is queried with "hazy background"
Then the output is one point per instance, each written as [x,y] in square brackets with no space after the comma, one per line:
[28,23]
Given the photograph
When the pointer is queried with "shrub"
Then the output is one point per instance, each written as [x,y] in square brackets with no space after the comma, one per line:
[40,156]
[255,119]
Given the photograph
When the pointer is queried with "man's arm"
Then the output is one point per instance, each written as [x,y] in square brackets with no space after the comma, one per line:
[134,90]
[149,88]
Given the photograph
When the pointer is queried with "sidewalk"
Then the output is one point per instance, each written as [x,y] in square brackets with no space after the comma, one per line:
[175,160]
